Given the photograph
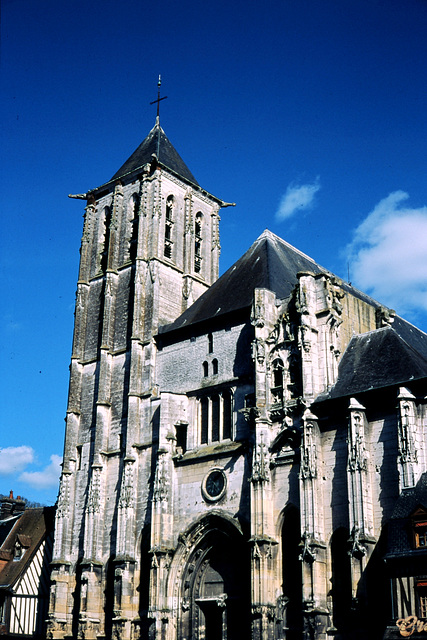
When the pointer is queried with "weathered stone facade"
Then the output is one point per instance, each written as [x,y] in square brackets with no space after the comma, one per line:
[232,458]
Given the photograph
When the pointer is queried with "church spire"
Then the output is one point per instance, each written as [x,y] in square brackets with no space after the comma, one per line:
[157,125]
[158,100]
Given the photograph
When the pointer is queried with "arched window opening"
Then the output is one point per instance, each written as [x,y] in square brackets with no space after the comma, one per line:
[227,415]
[204,418]
[292,574]
[215,366]
[181,437]
[277,386]
[215,418]
[205,369]
[210,343]
[103,239]
[167,252]
[198,242]
[133,214]
[341,580]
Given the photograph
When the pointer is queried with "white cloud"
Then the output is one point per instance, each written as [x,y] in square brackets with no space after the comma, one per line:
[15,459]
[296,198]
[45,479]
[388,254]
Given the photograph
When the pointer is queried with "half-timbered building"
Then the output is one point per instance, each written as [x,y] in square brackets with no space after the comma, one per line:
[26,539]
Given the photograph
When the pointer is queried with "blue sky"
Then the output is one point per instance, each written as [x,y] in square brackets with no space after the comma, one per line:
[309,115]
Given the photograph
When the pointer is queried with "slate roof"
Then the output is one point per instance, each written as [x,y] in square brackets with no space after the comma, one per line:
[399,531]
[391,355]
[270,263]
[29,529]
[157,144]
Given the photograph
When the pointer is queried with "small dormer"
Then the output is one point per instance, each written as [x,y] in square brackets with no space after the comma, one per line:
[418,521]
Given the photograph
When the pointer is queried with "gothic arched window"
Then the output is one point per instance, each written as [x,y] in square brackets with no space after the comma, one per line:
[341,580]
[277,380]
[215,407]
[168,227]
[216,417]
[131,229]
[205,367]
[204,420]
[227,415]
[103,240]
[214,366]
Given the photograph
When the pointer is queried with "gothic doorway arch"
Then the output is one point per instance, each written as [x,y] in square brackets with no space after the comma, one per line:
[216,587]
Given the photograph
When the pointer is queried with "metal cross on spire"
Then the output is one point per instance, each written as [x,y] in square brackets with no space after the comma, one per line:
[158,98]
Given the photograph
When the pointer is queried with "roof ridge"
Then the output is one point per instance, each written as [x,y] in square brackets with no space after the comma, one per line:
[267,234]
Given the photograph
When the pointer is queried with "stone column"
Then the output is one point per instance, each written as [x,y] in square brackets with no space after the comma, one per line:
[409,445]
[313,556]
[359,498]
[162,530]
[216,247]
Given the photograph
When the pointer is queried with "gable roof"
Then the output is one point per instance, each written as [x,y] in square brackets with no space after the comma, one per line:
[30,528]
[387,356]
[156,144]
[270,263]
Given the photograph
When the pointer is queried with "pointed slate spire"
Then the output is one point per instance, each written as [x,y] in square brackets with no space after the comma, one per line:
[158,145]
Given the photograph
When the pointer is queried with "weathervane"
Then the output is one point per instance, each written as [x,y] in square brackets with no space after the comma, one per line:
[158,97]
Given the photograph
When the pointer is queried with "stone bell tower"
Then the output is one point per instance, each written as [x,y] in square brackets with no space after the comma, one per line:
[150,248]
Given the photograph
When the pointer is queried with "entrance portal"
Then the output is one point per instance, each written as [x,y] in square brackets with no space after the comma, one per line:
[217,584]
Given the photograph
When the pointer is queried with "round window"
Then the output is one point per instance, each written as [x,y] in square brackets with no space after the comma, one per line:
[214,485]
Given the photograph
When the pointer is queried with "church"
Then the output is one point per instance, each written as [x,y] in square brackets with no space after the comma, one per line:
[245,455]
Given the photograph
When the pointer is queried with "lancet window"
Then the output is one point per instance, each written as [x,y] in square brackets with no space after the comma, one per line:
[216,417]
[103,240]
[169,221]
[132,228]
[277,381]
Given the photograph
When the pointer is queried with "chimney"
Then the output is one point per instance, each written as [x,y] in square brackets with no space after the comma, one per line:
[19,505]
[10,507]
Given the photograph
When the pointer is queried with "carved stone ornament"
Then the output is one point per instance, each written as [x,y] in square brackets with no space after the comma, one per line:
[187,288]
[94,494]
[87,227]
[152,270]
[264,610]
[185,606]
[308,553]
[258,313]
[384,316]
[222,600]
[161,480]
[127,493]
[309,452]
[358,550]
[260,463]
[334,295]
[64,495]
[258,351]
[407,430]
[357,455]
